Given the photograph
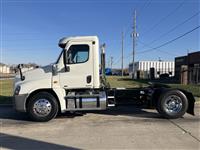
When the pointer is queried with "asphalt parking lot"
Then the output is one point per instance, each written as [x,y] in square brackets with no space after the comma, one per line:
[118,128]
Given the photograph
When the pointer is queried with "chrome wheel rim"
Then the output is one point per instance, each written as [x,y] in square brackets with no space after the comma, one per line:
[42,107]
[173,104]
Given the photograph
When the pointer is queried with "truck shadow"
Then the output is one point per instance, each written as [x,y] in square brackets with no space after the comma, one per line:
[5,99]
[8,141]
[134,111]
[124,110]
[7,112]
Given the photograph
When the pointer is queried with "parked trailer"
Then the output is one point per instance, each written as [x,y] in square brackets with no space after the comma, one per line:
[74,83]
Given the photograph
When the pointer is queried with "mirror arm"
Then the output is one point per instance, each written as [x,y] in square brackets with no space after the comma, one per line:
[20,72]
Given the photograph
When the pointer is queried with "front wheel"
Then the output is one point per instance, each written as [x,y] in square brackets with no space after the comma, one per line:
[42,107]
[172,104]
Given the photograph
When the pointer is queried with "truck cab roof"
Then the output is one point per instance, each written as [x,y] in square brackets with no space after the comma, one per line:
[62,42]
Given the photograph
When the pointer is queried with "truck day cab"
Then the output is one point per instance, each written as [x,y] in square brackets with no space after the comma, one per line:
[74,83]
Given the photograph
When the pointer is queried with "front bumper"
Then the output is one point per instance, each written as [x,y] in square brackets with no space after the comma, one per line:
[20,102]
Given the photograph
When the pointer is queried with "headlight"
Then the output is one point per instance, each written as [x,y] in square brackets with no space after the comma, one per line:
[17,90]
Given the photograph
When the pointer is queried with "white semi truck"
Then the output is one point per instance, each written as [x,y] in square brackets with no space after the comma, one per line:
[74,83]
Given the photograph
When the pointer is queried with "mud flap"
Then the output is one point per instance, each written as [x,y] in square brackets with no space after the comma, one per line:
[191,102]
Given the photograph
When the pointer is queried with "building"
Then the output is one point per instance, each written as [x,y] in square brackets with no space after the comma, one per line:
[4,68]
[187,68]
[152,69]
[180,62]
[25,69]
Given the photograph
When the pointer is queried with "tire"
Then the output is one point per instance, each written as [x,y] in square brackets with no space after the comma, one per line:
[172,104]
[42,107]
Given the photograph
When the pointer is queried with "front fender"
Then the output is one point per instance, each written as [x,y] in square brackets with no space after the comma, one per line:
[28,87]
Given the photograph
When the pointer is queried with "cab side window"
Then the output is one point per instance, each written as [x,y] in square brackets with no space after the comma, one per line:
[78,54]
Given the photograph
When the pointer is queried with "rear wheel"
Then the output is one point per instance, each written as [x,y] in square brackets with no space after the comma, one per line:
[42,107]
[172,104]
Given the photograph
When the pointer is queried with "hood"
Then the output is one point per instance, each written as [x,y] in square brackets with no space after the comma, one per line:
[36,74]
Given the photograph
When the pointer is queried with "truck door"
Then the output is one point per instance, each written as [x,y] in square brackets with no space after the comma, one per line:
[79,61]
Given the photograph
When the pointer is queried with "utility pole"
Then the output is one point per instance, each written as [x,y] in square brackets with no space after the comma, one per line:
[122,53]
[134,36]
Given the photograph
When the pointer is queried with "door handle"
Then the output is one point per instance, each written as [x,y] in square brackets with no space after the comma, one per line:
[89,79]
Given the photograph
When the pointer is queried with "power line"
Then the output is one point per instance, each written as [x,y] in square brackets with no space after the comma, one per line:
[170,41]
[127,29]
[172,29]
[117,61]
[165,17]
[147,3]
[171,54]
[155,48]
[166,43]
